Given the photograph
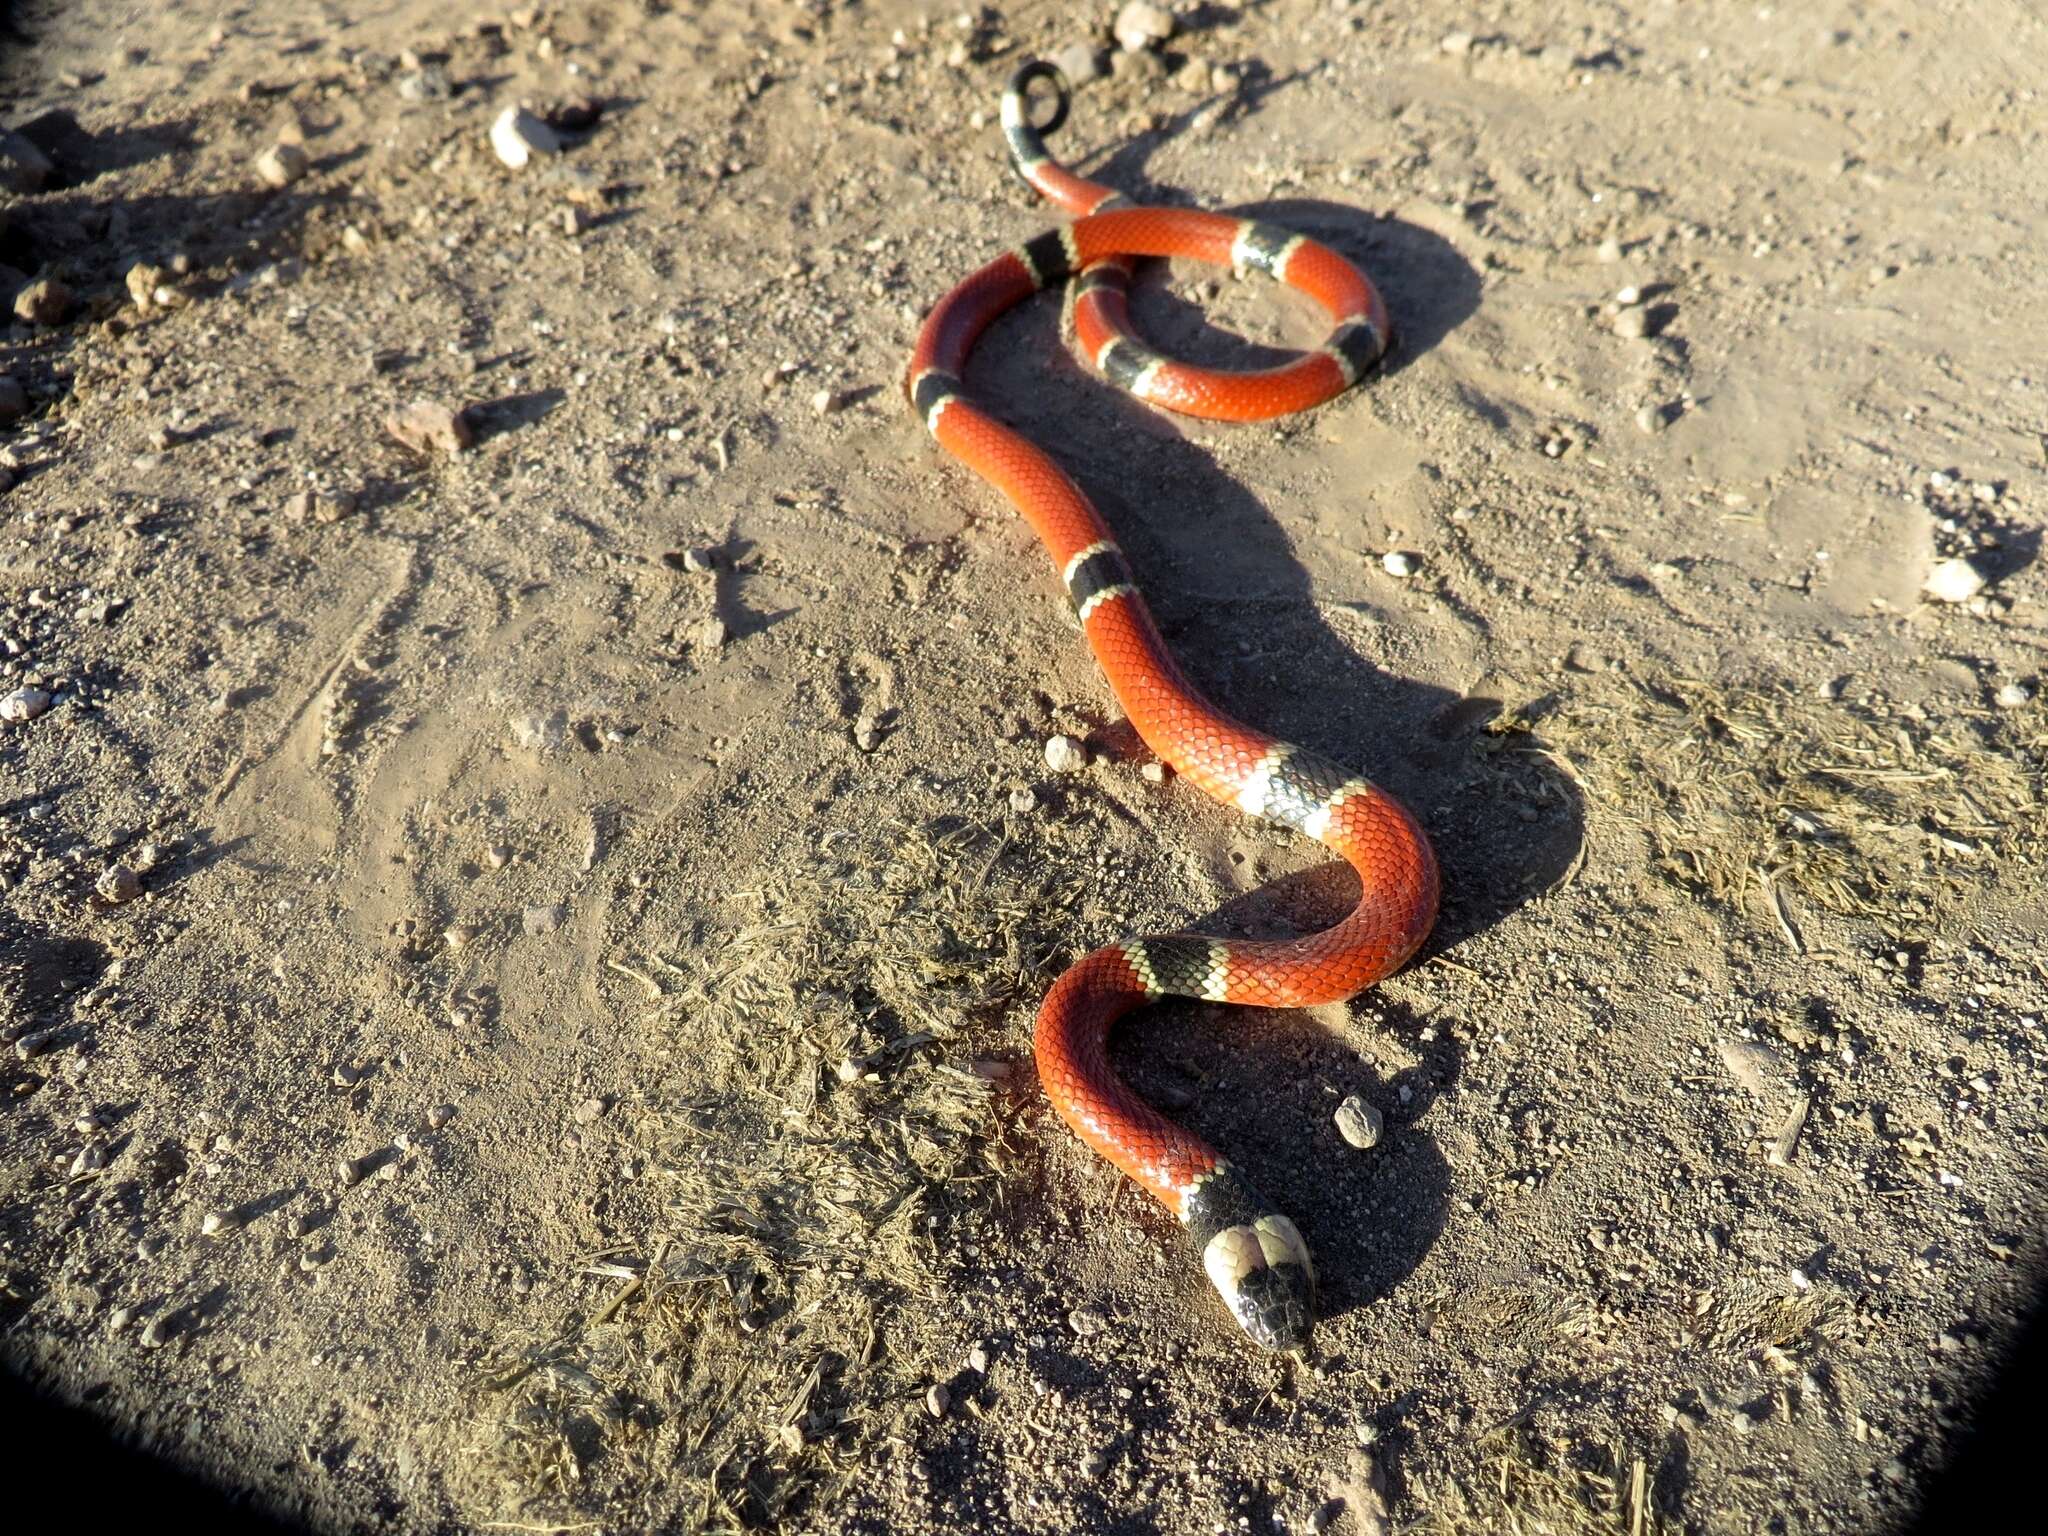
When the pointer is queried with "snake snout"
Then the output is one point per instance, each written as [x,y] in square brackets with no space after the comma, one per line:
[1262,1271]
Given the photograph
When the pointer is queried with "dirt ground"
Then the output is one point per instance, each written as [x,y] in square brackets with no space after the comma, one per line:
[518,962]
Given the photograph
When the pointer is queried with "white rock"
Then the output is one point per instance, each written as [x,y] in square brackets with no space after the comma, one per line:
[517,136]
[24,704]
[282,164]
[1140,26]
[2013,696]
[1063,754]
[1954,581]
[1360,1123]
[1398,562]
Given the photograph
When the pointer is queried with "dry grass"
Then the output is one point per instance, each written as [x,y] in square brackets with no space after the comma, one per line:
[835,1121]
[1532,1485]
[1866,809]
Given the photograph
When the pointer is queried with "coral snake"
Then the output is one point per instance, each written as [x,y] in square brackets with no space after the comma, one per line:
[1254,1256]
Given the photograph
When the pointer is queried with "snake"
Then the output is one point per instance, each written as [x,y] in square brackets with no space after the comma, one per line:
[1254,1256]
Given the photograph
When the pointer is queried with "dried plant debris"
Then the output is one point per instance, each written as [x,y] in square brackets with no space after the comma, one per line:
[1543,1486]
[1863,808]
[831,1131]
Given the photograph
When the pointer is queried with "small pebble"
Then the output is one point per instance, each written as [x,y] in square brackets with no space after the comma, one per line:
[937,1400]
[426,426]
[1632,324]
[2013,696]
[497,855]
[1398,562]
[213,1223]
[829,402]
[1086,1322]
[1094,1464]
[1456,44]
[1079,62]
[1063,754]
[1752,1065]
[142,281]
[517,136]
[158,1331]
[589,1110]
[977,1359]
[120,1318]
[700,561]
[24,704]
[118,884]
[1023,799]
[1139,26]
[44,302]
[1629,297]
[440,1115]
[1359,1123]
[1650,420]
[545,918]
[1154,772]
[1955,581]
[1609,251]
[282,164]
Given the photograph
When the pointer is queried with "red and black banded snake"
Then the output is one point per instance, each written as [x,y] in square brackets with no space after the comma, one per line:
[1253,1255]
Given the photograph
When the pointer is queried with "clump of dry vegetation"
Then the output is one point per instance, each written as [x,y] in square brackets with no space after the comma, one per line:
[837,1118]
[1532,1485]
[1864,807]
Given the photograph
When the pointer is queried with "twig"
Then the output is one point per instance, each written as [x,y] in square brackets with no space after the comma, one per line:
[1780,1155]
[653,987]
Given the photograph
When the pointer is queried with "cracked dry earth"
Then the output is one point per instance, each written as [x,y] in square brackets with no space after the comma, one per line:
[517,962]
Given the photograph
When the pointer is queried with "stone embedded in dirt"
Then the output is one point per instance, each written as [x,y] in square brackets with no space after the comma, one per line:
[937,1400]
[118,884]
[1023,799]
[829,402]
[1456,44]
[1079,62]
[23,167]
[440,1115]
[427,426]
[429,82]
[1398,562]
[2013,696]
[1632,324]
[1063,754]
[143,282]
[1140,26]
[1154,772]
[1360,1123]
[1955,581]
[700,561]
[213,1223]
[44,302]
[517,136]
[1609,251]
[282,164]
[545,918]
[13,399]
[24,704]
[589,1110]
[1087,1322]
[1750,1064]
[1651,419]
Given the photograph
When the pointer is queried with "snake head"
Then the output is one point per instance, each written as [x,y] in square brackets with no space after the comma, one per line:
[1262,1270]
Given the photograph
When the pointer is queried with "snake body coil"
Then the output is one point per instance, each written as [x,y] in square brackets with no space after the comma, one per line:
[1253,1255]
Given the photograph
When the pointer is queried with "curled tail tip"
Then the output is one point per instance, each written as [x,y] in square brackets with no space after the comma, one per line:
[1025,138]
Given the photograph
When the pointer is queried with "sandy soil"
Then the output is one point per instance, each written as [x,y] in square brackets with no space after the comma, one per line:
[558,1055]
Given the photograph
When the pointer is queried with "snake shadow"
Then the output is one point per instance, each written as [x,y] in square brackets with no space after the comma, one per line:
[1237,607]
